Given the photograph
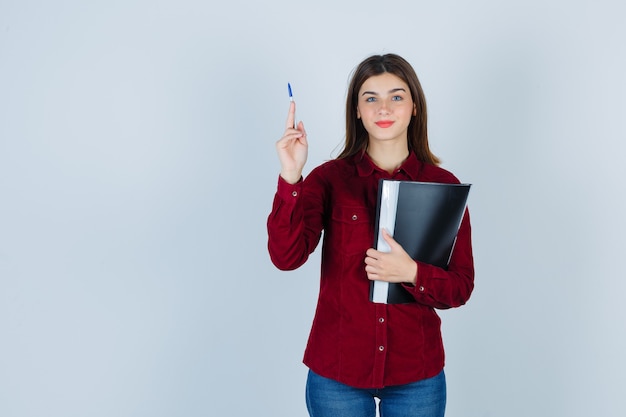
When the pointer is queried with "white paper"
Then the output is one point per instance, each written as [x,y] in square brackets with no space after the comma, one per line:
[387,221]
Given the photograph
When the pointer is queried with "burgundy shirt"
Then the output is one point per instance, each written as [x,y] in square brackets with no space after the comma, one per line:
[353,340]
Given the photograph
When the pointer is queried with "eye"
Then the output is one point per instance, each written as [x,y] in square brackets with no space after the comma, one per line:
[370,99]
[396,98]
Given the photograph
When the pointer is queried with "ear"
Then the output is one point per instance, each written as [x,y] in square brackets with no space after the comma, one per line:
[358,113]
[414,110]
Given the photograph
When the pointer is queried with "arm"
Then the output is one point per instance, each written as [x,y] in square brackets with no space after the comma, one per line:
[451,287]
[430,285]
[295,223]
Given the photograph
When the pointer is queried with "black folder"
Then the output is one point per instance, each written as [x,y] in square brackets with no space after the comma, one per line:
[423,217]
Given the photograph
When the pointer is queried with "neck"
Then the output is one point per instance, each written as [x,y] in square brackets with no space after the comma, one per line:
[389,157]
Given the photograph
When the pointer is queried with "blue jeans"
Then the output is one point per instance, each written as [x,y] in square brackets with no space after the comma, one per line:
[328,398]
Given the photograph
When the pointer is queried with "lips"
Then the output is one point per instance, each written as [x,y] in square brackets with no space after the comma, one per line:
[384,123]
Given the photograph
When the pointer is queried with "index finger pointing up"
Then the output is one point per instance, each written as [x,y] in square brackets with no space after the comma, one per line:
[291,116]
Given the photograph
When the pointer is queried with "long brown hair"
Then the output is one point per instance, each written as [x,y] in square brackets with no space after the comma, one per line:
[356,135]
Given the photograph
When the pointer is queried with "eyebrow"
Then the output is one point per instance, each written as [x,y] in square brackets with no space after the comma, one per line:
[395,90]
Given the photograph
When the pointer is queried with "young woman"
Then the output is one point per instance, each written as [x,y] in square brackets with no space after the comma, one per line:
[359,350]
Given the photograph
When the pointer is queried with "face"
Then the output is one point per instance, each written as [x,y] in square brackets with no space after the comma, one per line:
[385,106]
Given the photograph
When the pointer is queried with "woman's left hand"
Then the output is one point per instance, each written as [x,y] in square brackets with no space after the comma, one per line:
[393,266]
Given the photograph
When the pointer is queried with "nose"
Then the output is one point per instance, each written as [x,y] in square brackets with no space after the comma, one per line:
[383,108]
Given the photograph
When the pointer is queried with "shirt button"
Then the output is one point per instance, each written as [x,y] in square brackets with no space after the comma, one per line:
[295,193]
[382,320]
[381,348]
[421,288]
[354,217]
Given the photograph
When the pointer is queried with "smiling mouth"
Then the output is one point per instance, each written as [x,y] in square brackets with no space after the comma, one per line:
[384,123]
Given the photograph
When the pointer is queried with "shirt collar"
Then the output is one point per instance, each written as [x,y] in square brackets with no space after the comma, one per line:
[365,166]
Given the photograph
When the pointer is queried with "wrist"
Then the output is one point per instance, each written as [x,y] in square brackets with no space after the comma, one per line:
[413,280]
[291,177]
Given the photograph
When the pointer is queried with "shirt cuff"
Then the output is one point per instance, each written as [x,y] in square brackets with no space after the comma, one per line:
[424,275]
[289,193]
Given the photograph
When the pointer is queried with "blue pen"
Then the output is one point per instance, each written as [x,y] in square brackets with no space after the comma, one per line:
[291,99]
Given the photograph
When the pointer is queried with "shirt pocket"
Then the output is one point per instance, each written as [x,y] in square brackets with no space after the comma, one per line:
[353,228]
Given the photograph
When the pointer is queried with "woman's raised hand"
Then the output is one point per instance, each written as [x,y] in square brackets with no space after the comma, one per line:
[292,148]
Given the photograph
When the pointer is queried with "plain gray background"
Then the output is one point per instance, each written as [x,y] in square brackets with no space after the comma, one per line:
[137,169]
